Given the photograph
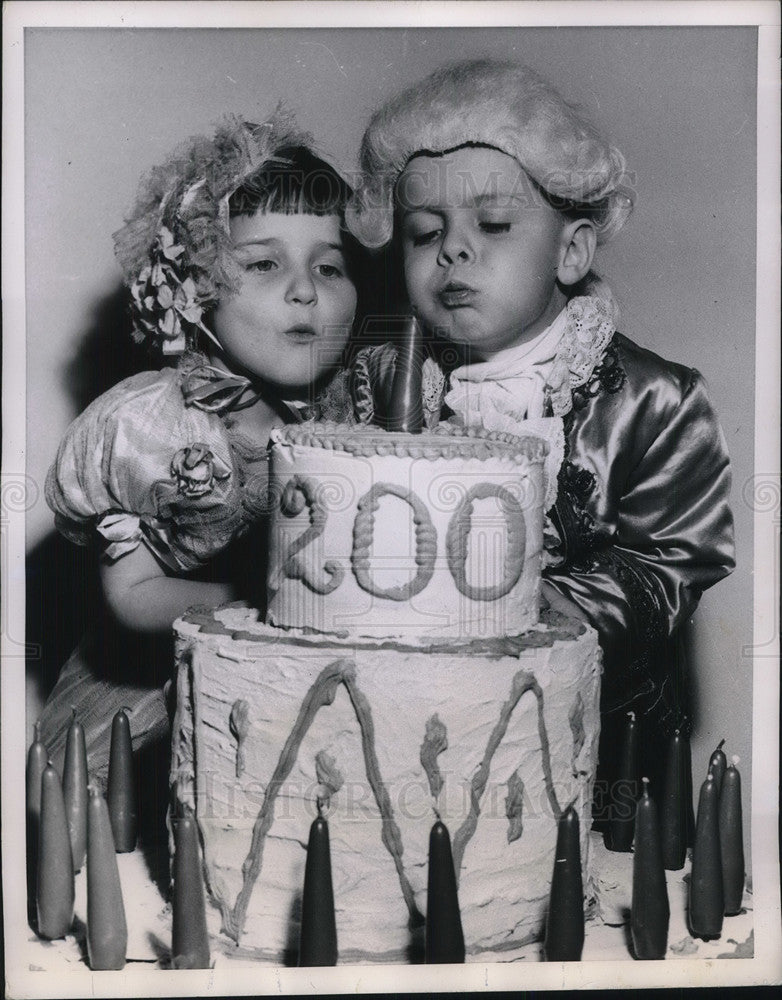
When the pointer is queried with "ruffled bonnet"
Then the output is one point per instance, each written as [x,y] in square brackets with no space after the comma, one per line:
[492,103]
[175,249]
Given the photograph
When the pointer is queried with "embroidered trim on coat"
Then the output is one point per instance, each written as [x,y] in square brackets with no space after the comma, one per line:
[574,524]
[609,376]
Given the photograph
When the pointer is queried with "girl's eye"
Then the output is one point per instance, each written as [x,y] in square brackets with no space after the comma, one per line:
[329,270]
[494,228]
[264,266]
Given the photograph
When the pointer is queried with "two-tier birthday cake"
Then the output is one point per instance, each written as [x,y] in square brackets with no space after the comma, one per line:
[403,673]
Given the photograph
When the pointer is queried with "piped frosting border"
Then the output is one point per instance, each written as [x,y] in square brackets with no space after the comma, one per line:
[445,441]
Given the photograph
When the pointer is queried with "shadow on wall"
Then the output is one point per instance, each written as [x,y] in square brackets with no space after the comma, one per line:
[61,578]
[61,584]
[107,354]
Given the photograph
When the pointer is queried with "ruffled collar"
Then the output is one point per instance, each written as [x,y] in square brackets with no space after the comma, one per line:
[589,328]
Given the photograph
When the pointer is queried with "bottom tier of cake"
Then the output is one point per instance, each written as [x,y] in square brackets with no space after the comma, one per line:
[496,737]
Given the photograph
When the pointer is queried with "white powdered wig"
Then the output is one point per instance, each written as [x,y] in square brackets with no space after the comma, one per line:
[490,103]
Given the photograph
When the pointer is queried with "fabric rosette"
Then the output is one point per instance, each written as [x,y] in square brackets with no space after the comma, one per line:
[196,468]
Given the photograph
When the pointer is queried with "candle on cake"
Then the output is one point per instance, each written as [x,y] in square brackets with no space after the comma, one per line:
[37,760]
[55,896]
[650,912]
[107,932]
[731,839]
[189,938]
[121,794]
[565,920]
[318,937]
[624,791]
[706,893]
[444,935]
[717,764]
[74,790]
[673,809]
[405,407]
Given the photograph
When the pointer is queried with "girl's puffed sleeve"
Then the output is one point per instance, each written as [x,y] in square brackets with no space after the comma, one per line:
[645,514]
[139,466]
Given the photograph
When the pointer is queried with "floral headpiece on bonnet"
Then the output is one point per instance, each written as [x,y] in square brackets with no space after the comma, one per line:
[489,103]
[175,249]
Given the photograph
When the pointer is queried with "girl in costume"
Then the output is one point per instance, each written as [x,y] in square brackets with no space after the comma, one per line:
[241,272]
[497,194]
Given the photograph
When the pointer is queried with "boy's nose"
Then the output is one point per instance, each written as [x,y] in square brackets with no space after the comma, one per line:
[454,249]
[301,289]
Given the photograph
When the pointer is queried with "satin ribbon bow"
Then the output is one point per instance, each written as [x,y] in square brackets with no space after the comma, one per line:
[216,391]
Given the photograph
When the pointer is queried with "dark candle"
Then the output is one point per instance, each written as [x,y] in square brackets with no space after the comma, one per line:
[624,791]
[444,936]
[731,839]
[405,407]
[74,790]
[650,913]
[318,939]
[189,939]
[565,921]
[673,810]
[37,759]
[121,793]
[107,932]
[706,896]
[55,865]
[717,765]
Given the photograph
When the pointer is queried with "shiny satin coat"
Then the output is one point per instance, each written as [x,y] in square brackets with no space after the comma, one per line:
[641,526]
[643,520]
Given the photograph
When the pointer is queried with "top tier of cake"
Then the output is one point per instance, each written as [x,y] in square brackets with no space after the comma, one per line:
[379,533]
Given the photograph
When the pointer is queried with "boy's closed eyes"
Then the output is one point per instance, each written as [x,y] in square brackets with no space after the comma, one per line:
[422,229]
[484,261]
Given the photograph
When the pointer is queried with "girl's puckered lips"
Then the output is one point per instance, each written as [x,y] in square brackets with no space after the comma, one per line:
[301,333]
[456,295]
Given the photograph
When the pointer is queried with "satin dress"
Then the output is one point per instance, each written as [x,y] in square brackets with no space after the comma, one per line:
[155,461]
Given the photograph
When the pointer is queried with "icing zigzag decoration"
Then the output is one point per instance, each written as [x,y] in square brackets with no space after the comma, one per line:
[522,682]
[576,720]
[435,741]
[322,692]
[514,807]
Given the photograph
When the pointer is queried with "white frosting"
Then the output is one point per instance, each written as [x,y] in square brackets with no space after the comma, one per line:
[412,599]
[439,485]
[503,886]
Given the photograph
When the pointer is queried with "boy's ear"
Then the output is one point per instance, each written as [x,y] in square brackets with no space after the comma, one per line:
[579,241]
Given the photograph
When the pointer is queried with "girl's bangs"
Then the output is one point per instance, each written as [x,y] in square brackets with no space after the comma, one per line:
[295,184]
